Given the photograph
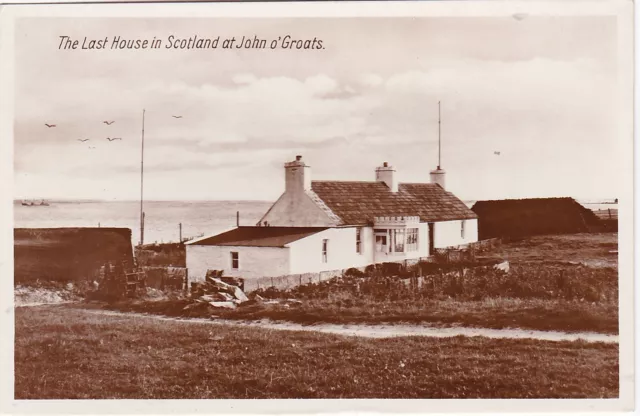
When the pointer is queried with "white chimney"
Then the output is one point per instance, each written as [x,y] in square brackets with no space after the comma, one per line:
[386,174]
[297,176]
[438,176]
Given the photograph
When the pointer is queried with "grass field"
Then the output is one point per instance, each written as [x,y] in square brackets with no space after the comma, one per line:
[561,282]
[593,249]
[63,352]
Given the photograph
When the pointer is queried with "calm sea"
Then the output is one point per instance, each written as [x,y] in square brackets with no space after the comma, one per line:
[161,217]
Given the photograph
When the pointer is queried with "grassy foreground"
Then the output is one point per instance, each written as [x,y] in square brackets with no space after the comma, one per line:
[62,352]
[497,313]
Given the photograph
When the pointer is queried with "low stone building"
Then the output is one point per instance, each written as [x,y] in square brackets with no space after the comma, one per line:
[317,226]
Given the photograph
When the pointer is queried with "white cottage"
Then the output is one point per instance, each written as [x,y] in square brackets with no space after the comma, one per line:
[319,226]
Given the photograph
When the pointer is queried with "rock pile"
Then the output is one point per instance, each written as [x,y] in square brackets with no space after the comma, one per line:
[216,293]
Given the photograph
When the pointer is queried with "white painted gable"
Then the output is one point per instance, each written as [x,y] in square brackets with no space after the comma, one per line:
[299,206]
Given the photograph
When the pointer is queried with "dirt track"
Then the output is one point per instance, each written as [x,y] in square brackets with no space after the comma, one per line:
[388,331]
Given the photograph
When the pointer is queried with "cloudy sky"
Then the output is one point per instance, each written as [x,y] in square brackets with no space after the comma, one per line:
[539,90]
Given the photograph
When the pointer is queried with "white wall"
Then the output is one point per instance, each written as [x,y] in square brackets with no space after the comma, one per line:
[306,253]
[447,233]
[254,261]
[296,209]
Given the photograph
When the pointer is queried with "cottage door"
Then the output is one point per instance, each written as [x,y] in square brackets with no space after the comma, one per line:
[431,239]
[381,243]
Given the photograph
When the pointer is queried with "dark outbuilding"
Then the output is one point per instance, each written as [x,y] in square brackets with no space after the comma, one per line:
[526,217]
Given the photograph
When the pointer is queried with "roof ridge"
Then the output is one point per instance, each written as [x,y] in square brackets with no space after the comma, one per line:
[529,199]
[328,180]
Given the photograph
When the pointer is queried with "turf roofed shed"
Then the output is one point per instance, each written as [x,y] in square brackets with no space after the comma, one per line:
[518,218]
[68,254]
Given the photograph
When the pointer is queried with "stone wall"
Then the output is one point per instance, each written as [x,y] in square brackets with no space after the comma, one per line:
[291,281]
[452,254]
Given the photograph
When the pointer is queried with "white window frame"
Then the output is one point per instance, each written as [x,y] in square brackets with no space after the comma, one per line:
[398,240]
[237,260]
[412,240]
[325,250]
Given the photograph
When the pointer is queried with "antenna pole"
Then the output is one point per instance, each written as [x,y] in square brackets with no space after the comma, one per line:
[439,146]
[142,184]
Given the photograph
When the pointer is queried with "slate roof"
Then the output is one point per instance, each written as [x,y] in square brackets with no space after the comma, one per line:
[358,203]
[259,236]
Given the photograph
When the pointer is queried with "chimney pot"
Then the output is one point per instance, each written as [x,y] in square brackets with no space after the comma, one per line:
[297,176]
[438,177]
[386,174]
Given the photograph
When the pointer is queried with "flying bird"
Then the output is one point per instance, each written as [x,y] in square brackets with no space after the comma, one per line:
[496,153]
[115,138]
[49,125]
[520,16]
[176,116]
[108,123]
[82,140]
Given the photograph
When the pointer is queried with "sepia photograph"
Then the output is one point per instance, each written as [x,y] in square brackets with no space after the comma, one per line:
[425,201]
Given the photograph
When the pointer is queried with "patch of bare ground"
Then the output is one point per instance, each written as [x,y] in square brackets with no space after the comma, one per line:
[47,293]
[66,353]
[495,313]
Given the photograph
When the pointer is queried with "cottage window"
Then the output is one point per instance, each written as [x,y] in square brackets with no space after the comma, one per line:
[412,239]
[325,243]
[235,260]
[359,240]
[462,228]
[397,240]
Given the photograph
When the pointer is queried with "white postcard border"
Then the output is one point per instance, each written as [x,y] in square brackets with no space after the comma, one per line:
[620,8]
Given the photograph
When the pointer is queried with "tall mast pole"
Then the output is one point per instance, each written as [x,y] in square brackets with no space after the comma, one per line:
[439,163]
[142,184]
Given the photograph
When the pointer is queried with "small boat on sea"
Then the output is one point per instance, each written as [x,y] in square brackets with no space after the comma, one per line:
[42,203]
